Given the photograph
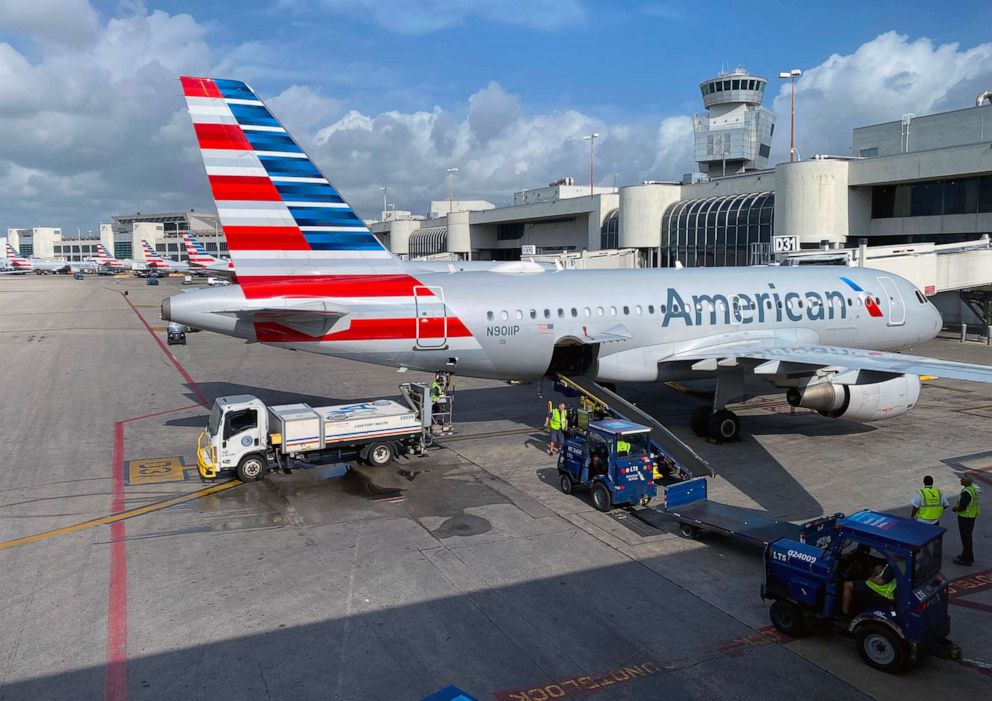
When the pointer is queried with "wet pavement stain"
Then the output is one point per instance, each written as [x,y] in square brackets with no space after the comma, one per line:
[462,525]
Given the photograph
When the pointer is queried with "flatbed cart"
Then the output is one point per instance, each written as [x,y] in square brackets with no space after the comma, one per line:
[687,503]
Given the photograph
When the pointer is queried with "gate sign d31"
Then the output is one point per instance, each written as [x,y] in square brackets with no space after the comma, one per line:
[528,250]
[785,244]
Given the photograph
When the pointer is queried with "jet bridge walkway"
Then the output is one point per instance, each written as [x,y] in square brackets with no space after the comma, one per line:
[667,442]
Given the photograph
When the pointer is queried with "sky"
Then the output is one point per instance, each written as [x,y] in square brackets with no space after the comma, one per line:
[391,93]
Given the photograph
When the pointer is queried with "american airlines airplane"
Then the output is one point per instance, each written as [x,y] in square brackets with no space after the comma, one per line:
[15,263]
[314,278]
[104,258]
[200,259]
[156,262]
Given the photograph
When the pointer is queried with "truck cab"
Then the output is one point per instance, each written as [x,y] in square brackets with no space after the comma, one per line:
[806,581]
[614,459]
[237,431]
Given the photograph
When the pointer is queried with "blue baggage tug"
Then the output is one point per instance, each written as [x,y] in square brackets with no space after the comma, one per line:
[614,459]
[806,583]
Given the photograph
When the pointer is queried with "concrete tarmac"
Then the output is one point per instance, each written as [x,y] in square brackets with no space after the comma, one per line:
[479,573]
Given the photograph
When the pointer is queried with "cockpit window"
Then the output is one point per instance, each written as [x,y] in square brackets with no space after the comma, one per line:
[920,297]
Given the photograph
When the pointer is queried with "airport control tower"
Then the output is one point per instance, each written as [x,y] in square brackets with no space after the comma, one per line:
[735,134]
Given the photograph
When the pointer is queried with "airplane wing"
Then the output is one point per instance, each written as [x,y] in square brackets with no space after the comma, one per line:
[778,353]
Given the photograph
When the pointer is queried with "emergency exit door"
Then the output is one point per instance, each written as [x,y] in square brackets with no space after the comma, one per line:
[432,317]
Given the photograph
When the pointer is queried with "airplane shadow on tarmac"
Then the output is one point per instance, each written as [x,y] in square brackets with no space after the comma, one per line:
[745,464]
[492,641]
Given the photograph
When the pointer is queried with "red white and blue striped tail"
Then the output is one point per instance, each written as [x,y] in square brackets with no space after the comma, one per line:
[16,261]
[151,256]
[286,225]
[103,257]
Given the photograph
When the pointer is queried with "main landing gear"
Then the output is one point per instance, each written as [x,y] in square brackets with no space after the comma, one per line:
[721,425]
[715,421]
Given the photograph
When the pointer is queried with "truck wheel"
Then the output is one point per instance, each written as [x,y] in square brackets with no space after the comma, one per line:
[251,468]
[787,617]
[881,648]
[687,530]
[567,486]
[601,497]
[699,420]
[379,455]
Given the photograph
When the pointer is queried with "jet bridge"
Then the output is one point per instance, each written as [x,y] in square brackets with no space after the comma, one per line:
[667,442]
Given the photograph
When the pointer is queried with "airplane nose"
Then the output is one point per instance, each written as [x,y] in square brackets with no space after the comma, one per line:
[167,309]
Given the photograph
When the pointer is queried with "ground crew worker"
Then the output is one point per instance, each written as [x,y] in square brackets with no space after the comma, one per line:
[967,511]
[436,389]
[557,423]
[882,584]
[929,503]
[623,447]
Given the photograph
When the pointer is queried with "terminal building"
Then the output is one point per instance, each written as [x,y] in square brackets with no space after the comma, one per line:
[123,237]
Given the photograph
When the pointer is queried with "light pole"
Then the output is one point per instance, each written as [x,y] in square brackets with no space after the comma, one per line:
[451,172]
[591,138]
[792,75]
[383,188]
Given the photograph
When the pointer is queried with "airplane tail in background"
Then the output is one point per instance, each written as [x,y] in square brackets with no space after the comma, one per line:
[151,257]
[289,231]
[16,261]
[198,256]
[104,258]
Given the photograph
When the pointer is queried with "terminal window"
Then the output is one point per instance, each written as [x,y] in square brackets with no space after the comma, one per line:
[933,198]
[509,231]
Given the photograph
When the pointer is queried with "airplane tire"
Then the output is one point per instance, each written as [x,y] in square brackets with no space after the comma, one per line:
[699,420]
[724,426]
[601,497]
[251,468]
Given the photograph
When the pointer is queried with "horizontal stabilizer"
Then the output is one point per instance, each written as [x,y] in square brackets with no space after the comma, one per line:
[315,319]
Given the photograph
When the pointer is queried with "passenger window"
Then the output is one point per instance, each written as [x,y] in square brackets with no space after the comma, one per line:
[849,302]
[859,301]
[575,312]
[547,313]
[878,301]
[637,309]
[626,311]
[520,314]
[613,311]
[587,311]
[599,311]
[561,313]
[768,303]
[533,313]
[662,308]
[799,302]
[489,316]
[650,309]
[504,315]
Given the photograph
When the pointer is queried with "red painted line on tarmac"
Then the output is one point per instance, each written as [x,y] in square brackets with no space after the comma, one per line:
[200,397]
[115,675]
[160,413]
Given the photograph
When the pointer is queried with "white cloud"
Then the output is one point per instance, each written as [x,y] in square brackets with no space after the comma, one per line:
[407,17]
[72,22]
[884,79]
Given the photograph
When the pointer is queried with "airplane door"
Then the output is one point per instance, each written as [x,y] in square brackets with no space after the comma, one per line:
[432,317]
[896,304]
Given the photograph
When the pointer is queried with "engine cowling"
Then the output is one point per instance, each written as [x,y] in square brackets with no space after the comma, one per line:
[870,402]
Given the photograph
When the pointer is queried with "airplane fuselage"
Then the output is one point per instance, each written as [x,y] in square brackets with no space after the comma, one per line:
[614,325]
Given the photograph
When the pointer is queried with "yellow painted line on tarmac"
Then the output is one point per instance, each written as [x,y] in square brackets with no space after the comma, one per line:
[112,518]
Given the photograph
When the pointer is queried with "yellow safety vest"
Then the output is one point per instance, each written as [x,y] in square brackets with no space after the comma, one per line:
[435,390]
[886,590]
[931,504]
[556,420]
[623,447]
[972,511]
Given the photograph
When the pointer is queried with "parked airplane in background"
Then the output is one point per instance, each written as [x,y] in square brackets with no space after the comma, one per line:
[104,258]
[156,262]
[199,258]
[15,263]
[314,278]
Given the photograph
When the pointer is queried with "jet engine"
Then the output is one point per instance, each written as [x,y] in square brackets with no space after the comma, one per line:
[869,402]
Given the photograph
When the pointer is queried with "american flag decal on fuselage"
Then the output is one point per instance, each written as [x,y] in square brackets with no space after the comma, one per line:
[289,232]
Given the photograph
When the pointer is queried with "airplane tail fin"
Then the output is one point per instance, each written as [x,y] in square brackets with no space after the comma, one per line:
[195,251]
[151,255]
[287,227]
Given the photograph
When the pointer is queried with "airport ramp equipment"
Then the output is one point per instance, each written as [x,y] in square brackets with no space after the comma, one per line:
[687,503]
[667,442]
